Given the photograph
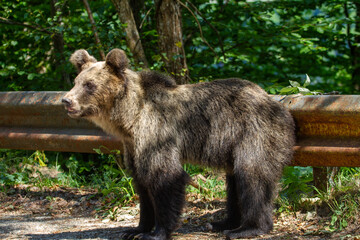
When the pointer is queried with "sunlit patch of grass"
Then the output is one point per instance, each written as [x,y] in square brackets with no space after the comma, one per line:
[207,184]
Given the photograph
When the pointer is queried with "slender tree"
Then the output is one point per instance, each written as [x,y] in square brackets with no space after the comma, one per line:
[93,24]
[58,56]
[132,35]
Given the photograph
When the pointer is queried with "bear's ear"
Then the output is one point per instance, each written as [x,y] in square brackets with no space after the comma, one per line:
[116,59]
[81,57]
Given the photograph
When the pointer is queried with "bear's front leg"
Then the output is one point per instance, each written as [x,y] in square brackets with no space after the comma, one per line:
[167,192]
[147,216]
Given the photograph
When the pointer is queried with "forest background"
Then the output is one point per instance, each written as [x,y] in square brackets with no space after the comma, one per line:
[267,42]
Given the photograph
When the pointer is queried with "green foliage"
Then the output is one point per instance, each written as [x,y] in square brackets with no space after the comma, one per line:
[17,167]
[296,183]
[112,181]
[265,42]
[270,42]
[340,204]
[296,87]
[194,170]
[73,170]
[30,60]
[343,198]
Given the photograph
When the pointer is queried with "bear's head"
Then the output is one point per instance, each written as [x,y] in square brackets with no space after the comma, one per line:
[97,83]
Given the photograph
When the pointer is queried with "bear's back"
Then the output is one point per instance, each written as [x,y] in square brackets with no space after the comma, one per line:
[152,82]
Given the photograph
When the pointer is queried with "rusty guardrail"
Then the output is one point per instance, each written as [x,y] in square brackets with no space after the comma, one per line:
[328,127]
[38,121]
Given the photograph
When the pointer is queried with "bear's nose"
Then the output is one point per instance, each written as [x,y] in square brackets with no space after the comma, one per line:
[66,101]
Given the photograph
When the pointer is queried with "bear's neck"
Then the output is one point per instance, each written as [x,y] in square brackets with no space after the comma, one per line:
[122,116]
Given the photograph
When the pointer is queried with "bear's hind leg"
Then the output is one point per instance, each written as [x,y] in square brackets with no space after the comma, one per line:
[255,197]
[233,218]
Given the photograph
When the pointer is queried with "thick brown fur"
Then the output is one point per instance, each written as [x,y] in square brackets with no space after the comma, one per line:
[230,124]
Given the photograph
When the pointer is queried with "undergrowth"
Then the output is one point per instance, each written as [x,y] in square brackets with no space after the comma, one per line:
[342,199]
[50,170]
[339,205]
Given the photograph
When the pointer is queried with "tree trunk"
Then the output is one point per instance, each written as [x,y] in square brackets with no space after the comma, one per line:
[97,39]
[58,57]
[137,6]
[356,50]
[169,28]
[132,35]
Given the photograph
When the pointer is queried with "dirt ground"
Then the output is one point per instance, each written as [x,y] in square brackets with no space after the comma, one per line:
[64,213]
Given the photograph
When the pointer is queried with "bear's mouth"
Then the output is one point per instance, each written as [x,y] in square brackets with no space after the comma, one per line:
[71,111]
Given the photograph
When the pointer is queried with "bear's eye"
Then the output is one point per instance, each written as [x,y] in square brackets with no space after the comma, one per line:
[89,86]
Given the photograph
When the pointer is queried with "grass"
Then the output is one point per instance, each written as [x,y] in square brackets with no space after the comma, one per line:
[343,198]
[339,205]
[113,183]
[20,167]
[49,170]
[209,183]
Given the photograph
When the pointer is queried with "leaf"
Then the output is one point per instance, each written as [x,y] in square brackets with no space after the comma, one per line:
[296,35]
[178,44]
[307,81]
[294,83]
[305,50]
[302,89]
[288,89]
[275,18]
[97,150]
[4,73]
[41,163]
[31,76]
[333,219]
[344,223]
[320,30]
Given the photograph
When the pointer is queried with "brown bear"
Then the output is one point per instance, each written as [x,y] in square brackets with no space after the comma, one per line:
[229,124]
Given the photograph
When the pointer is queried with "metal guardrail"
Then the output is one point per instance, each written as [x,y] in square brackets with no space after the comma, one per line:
[328,127]
[38,121]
